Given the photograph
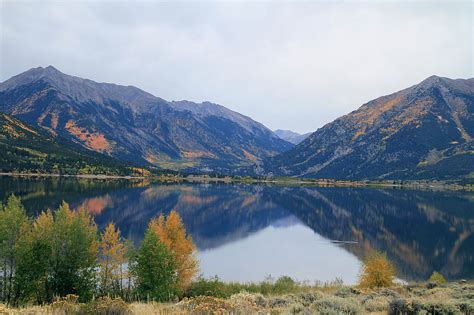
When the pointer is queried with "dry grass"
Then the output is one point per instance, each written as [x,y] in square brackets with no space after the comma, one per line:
[452,298]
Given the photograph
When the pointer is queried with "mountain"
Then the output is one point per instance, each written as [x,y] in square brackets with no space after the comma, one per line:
[424,131]
[133,125]
[291,136]
[25,148]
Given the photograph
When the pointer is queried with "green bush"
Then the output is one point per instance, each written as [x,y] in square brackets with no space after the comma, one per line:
[206,287]
[217,288]
[402,306]
[106,306]
[284,284]
[335,305]
[437,277]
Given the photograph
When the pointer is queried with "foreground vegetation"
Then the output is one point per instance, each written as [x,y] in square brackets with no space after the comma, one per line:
[59,262]
[451,298]
[61,253]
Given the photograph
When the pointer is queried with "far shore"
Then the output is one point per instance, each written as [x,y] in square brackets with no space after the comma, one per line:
[91,176]
[412,184]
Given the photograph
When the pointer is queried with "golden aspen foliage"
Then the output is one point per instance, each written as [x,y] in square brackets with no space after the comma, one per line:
[377,271]
[437,277]
[112,254]
[172,233]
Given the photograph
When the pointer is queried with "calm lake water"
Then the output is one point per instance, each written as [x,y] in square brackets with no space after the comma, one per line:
[246,232]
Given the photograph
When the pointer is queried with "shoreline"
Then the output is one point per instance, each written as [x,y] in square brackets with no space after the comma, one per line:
[88,176]
[402,184]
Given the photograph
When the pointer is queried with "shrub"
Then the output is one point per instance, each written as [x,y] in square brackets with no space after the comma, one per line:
[399,306]
[344,292]
[376,304]
[309,298]
[206,305]
[377,271]
[254,299]
[206,287]
[437,277]
[284,284]
[278,302]
[405,307]
[66,305]
[107,306]
[336,305]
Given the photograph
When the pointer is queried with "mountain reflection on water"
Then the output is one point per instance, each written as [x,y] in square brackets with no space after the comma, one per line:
[245,232]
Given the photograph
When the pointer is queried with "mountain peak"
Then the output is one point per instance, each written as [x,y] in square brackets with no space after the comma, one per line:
[424,131]
[431,80]
[52,70]
[434,81]
[291,136]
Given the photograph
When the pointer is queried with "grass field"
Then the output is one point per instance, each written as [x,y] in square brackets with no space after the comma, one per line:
[451,298]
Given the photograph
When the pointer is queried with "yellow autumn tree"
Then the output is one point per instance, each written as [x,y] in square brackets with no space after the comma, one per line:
[377,271]
[112,254]
[172,233]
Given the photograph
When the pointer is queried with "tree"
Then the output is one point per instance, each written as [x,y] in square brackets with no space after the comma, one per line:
[74,249]
[172,233]
[130,257]
[112,257]
[13,220]
[34,257]
[155,269]
[437,277]
[377,271]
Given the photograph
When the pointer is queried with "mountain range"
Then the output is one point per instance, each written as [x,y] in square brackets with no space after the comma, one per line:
[291,136]
[425,131]
[132,125]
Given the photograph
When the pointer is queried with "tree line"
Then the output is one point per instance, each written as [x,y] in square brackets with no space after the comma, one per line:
[61,252]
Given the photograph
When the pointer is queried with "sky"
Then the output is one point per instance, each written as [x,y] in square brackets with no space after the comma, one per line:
[289,65]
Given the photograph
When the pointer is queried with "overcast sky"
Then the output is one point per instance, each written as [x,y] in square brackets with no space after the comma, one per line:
[288,65]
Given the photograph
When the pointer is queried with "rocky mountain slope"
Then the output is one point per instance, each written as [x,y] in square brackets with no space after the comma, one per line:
[133,125]
[25,148]
[424,131]
[291,136]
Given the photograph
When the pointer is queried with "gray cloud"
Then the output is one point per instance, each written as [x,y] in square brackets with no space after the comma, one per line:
[288,65]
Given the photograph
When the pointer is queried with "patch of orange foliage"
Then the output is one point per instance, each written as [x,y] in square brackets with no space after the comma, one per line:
[249,155]
[11,131]
[152,158]
[197,154]
[19,124]
[369,116]
[95,141]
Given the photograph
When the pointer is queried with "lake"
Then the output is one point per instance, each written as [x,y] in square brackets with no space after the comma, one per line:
[247,232]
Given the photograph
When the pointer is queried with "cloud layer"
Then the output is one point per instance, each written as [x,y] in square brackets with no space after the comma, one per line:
[288,65]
